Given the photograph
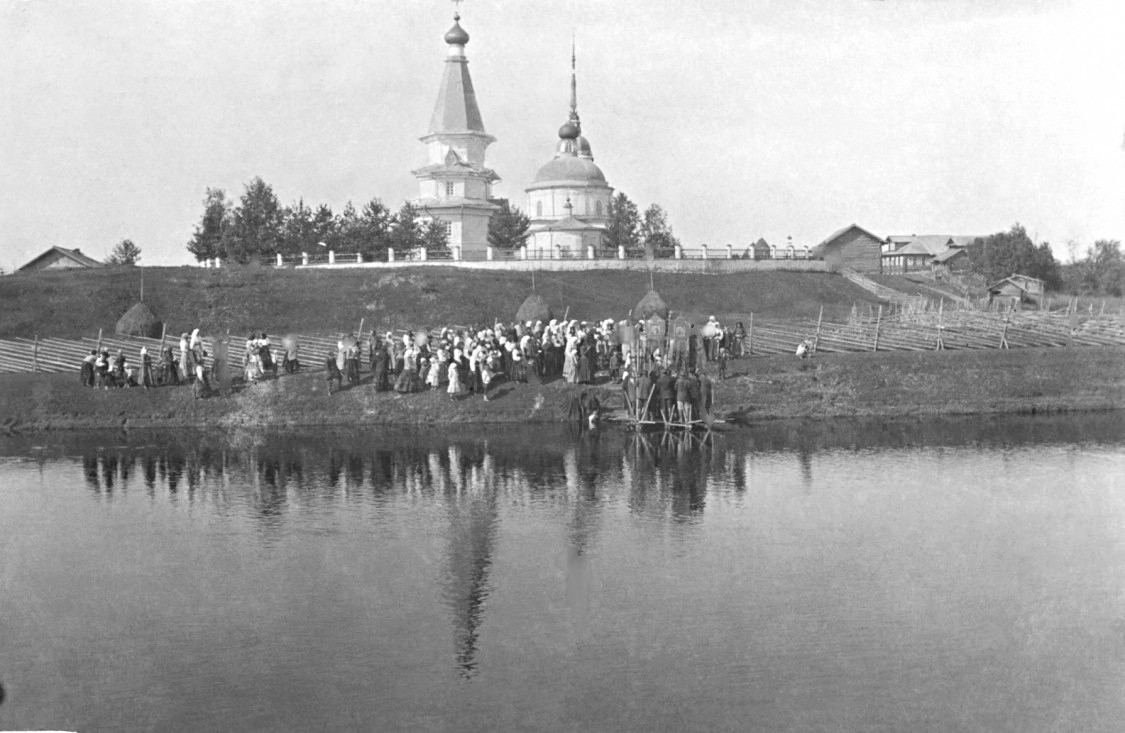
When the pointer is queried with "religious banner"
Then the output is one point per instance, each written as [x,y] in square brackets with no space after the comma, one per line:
[655,331]
[678,338]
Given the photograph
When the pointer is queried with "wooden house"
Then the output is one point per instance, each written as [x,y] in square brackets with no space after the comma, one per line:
[1016,289]
[852,247]
[59,258]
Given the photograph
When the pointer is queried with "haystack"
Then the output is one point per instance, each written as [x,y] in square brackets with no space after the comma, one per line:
[651,305]
[139,321]
[534,309]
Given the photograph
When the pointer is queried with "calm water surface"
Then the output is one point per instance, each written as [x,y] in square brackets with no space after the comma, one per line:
[947,576]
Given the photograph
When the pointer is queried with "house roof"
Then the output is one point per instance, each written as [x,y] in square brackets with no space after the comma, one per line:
[1020,281]
[932,243]
[949,254]
[74,255]
[839,233]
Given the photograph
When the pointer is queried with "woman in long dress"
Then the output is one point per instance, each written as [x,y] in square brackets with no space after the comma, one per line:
[454,371]
[585,371]
[570,364]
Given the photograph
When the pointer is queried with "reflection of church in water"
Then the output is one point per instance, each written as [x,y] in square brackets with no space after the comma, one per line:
[568,201]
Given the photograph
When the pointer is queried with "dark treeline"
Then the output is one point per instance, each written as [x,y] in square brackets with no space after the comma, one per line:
[258,225]
[1100,270]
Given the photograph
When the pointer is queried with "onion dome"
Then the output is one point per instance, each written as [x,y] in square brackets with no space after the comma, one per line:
[569,131]
[570,168]
[456,36]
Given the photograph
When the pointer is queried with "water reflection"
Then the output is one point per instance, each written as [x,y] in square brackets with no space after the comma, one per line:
[670,480]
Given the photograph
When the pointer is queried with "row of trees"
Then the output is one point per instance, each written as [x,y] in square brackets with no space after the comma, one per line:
[1100,271]
[259,226]
[634,231]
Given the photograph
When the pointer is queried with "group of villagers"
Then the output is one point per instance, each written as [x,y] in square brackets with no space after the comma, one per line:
[460,361]
[101,369]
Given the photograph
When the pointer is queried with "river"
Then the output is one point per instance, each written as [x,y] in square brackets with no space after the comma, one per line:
[959,574]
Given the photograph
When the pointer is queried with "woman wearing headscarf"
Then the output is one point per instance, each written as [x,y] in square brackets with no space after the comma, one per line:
[454,371]
[570,360]
[148,378]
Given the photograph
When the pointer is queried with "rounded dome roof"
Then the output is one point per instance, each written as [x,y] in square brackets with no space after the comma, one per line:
[569,168]
[569,131]
[456,35]
[584,147]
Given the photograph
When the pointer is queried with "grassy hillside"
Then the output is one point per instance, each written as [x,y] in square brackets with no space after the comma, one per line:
[78,303]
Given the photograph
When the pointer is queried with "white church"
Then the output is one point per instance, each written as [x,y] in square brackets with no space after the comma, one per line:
[568,202]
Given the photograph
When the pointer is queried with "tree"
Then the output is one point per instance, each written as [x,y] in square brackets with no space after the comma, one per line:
[624,223]
[372,230]
[256,227]
[1101,271]
[507,229]
[125,253]
[406,230]
[297,233]
[655,231]
[1007,253]
[435,237]
[207,242]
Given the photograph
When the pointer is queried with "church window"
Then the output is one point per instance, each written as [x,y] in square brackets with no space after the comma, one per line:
[539,208]
[598,208]
[449,188]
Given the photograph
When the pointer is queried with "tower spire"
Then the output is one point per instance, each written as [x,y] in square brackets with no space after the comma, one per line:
[573,82]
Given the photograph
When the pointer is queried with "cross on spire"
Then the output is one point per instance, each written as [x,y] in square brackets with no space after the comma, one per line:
[457,9]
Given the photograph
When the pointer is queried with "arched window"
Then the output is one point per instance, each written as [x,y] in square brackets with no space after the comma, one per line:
[539,208]
[598,208]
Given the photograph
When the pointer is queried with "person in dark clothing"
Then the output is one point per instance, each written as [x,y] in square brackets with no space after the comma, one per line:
[695,396]
[332,373]
[88,368]
[706,395]
[666,386]
[683,398]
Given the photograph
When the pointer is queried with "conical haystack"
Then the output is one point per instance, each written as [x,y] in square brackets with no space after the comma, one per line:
[139,321]
[651,305]
[534,309]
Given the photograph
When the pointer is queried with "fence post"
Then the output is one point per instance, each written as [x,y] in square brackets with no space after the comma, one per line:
[332,257]
[280,262]
[489,253]
[750,338]
[305,259]
[679,252]
[703,249]
[878,323]
[940,345]
[620,251]
[359,258]
[819,319]
[422,254]
[390,254]
[730,251]
[590,252]
[523,252]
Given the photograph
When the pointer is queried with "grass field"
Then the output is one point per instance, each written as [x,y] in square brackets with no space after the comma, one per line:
[77,303]
[883,384]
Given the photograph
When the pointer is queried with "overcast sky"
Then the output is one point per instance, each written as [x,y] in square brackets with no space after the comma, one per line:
[741,118]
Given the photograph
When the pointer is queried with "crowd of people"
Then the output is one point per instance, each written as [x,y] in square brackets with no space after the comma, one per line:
[462,362]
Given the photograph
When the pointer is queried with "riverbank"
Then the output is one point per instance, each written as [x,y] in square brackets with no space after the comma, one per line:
[892,384]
